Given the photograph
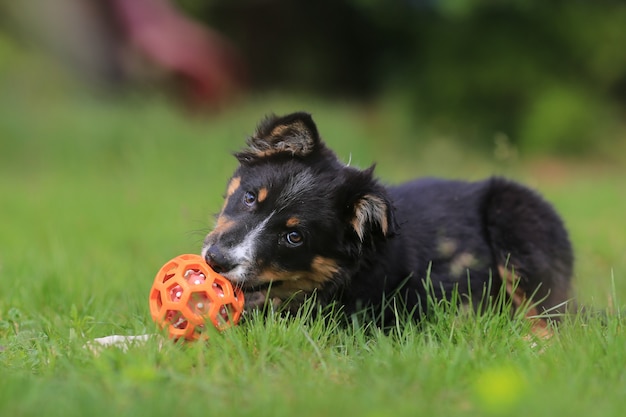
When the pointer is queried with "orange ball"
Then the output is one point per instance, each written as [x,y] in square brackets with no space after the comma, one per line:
[187,293]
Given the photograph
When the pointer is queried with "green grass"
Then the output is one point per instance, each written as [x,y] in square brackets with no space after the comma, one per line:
[96,195]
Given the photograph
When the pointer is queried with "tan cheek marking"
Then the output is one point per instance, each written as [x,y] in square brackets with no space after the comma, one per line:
[223,224]
[323,269]
[293,222]
[295,286]
[272,274]
[262,194]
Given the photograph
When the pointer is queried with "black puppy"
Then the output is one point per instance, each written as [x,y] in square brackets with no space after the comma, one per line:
[296,221]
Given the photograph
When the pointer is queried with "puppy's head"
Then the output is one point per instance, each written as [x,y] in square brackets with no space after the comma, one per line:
[295,217]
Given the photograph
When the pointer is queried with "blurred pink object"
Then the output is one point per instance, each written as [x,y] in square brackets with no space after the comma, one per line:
[205,62]
[145,42]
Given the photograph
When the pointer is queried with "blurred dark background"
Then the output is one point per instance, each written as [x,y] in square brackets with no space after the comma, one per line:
[549,77]
[552,74]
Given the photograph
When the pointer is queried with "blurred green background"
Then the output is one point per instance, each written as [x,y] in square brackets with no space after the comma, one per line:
[117,120]
[547,77]
[551,76]
[105,157]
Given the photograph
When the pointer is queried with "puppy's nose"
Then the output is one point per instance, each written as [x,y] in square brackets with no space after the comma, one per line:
[217,260]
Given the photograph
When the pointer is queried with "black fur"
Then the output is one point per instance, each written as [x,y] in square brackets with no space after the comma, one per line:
[302,222]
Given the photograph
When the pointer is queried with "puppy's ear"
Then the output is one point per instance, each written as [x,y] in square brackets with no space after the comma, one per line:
[371,216]
[371,213]
[294,134]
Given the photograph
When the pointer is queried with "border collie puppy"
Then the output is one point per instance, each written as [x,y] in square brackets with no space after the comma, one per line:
[297,222]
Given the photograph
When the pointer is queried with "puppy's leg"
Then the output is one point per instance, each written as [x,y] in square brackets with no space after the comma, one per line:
[531,248]
[520,300]
[259,300]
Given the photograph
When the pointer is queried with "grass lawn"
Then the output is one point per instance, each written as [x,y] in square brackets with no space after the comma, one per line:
[96,195]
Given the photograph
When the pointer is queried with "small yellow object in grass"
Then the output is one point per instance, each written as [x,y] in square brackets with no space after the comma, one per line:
[499,389]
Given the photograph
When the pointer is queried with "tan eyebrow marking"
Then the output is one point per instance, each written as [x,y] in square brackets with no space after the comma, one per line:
[232,186]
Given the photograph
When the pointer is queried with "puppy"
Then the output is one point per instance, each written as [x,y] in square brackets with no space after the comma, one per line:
[297,222]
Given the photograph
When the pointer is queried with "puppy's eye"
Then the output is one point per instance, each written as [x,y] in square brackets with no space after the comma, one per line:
[294,238]
[249,198]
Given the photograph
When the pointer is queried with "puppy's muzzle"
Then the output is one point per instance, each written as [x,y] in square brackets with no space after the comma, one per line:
[218,261]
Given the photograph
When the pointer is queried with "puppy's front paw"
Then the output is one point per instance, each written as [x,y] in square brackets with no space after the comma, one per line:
[122,342]
[259,300]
